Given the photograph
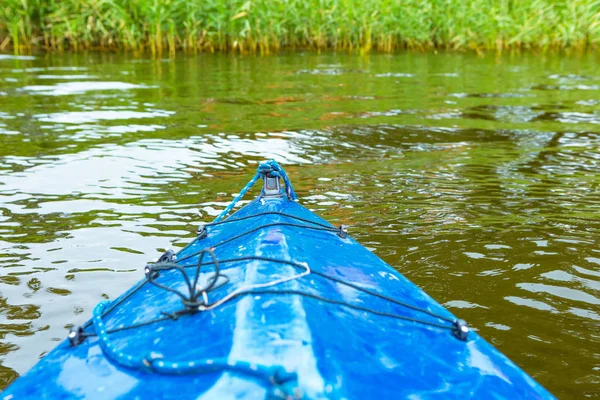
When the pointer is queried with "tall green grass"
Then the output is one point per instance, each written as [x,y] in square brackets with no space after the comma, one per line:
[268,25]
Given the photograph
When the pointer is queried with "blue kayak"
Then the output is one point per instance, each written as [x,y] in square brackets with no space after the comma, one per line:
[273,302]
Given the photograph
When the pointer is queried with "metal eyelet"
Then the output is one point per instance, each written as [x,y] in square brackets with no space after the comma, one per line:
[460,329]
[343,232]
[76,335]
[202,232]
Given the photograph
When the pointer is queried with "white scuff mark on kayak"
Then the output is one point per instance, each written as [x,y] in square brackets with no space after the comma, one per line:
[286,344]
[390,276]
[446,388]
[268,303]
[478,359]
[115,382]
[350,295]
[386,361]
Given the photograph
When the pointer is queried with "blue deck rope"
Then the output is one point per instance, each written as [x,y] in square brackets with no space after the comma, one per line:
[154,362]
[269,168]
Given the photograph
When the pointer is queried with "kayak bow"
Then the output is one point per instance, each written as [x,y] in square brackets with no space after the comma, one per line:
[273,302]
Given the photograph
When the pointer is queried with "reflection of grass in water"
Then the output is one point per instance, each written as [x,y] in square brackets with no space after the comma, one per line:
[267,25]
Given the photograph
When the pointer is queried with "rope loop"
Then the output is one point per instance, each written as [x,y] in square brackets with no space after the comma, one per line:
[270,169]
[196,296]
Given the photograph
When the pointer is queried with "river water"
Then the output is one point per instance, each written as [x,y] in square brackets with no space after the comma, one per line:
[477,177]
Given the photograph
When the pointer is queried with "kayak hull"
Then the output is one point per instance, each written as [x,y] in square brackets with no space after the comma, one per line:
[333,340]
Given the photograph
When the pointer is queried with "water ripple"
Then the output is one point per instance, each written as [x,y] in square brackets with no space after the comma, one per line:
[73,88]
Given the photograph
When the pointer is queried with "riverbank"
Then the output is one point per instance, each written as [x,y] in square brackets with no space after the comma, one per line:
[266,26]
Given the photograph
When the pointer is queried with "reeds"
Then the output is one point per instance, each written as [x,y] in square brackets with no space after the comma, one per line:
[268,25]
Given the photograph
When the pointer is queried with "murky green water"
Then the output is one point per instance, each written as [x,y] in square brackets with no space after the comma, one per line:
[477,177]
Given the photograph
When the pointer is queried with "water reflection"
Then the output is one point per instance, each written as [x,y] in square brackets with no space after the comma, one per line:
[476,177]
[72,88]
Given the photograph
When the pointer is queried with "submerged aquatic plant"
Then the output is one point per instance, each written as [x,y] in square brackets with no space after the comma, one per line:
[267,25]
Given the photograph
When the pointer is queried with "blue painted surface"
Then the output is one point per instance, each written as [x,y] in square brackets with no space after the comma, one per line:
[239,348]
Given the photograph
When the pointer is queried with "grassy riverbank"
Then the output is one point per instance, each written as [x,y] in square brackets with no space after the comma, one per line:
[267,25]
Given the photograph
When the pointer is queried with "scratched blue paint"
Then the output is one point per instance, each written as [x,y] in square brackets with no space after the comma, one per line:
[337,352]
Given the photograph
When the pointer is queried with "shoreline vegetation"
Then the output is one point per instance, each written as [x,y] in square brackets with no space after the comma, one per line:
[264,26]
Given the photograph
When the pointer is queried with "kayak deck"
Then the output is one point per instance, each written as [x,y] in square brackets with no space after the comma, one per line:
[295,309]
